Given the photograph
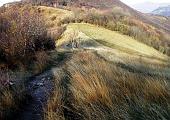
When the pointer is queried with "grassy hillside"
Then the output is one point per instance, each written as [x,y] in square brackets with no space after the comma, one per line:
[74,70]
[117,39]
[115,19]
[88,87]
[114,40]
[109,76]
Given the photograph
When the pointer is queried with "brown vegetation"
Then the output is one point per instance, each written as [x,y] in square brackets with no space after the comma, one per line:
[23,45]
[23,33]
[12,93]
[123,22]
[90,88]
[87,87]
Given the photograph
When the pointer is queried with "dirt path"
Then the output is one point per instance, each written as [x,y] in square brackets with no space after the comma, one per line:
[39,88]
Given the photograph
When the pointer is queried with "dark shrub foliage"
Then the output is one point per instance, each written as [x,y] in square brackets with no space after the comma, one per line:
[22,33]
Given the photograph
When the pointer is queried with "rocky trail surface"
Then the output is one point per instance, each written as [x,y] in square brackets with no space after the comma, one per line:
[39,88]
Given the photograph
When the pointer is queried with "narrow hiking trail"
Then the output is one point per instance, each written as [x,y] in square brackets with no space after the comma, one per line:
[39,89]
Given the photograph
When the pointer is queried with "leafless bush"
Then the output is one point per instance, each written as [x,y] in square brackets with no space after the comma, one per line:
[23,32]
[119,12]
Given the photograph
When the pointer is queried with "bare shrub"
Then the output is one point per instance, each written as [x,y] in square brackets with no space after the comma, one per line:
[119,12]
[121,21]
[121,28]
[23,32]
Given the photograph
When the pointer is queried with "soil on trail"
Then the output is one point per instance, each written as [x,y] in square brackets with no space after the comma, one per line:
[39,88]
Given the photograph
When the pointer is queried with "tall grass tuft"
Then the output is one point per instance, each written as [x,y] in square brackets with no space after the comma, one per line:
[94,89]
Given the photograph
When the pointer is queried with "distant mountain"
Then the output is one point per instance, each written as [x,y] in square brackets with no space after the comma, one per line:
[148,7]
[164,11]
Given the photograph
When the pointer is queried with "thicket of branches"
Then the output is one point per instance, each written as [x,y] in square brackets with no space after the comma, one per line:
[22,34]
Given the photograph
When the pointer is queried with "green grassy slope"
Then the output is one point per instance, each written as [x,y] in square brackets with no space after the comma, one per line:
[117,48]
[114,40]
[111,45]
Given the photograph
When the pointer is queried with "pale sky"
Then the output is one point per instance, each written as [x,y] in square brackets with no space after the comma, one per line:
[6,1]
[132,2]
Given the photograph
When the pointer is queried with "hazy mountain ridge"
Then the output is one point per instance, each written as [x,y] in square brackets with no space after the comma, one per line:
[164,11]
[148,7]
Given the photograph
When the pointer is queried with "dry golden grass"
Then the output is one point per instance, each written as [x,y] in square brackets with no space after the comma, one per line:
[11,95]
[54,15]
[54,109]
[41,62]
[116,40]
[90,88]
[7,100]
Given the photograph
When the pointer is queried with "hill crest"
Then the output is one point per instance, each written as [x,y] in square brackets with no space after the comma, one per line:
[86,3]
[164,11]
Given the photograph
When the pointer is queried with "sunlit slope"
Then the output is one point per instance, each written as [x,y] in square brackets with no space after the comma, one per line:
[115,40]
[113,43]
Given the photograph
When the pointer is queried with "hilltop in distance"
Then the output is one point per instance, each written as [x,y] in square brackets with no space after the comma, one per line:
[163,11]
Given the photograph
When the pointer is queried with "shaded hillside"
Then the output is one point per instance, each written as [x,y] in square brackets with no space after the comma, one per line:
[160,20]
